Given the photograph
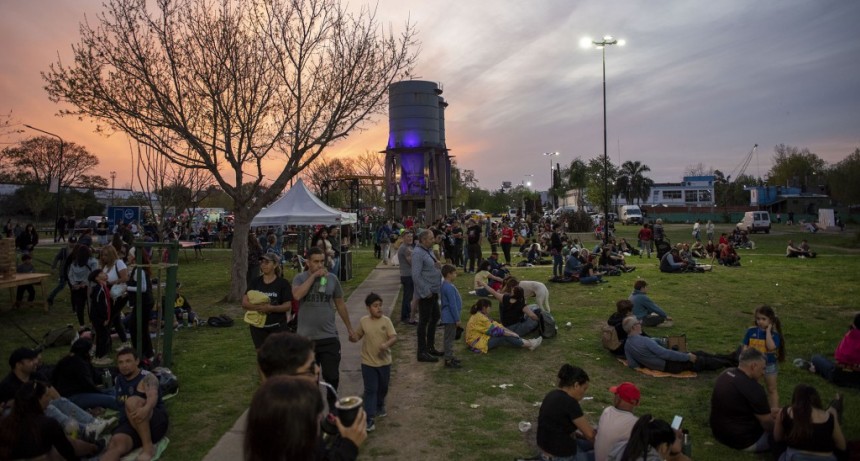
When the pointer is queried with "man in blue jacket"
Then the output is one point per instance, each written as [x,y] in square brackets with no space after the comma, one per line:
[645,309]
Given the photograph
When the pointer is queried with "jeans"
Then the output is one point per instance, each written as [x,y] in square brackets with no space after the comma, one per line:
[524,327]
[104,399]
[383,252]
[652,320]
[327,351]
[61,283]
[448,340]
[428,315]
[557,265]
[584,452]
[63,410]
[145,347]
[497,341]
[823,367]
[376,381]
[482,292]
[790,454]
[408,294]
[589,280]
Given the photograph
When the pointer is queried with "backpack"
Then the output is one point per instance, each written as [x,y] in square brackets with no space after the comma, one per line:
[609,338]
[58,337]
[220,321]
[546,324]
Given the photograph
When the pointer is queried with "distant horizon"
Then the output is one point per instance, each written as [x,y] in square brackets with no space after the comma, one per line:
[695,83]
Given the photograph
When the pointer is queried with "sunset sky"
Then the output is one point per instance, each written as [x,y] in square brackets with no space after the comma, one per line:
[697,82]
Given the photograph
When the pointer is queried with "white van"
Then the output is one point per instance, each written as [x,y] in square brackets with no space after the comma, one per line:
[755,221]
[630,214]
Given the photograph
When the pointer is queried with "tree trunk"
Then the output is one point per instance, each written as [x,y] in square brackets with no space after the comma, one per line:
[239,267]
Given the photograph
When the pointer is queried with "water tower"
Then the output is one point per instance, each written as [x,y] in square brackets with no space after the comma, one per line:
[417,165]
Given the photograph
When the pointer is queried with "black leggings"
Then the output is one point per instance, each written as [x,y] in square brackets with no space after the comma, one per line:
[146,313]
[79,303]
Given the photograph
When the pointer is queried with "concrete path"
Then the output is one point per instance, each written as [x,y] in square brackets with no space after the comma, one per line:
[384,281]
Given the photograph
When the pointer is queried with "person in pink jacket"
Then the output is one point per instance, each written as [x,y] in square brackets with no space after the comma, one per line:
[846,370]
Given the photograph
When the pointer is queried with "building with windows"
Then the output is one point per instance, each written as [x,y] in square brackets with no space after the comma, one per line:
[693,191]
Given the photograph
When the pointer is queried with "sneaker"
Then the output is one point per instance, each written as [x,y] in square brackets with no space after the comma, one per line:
[123,346]
[803,364]
[534,343]
[452,364]
[381,413]
[102,361]
[371,425]
[427,358]
[93,430]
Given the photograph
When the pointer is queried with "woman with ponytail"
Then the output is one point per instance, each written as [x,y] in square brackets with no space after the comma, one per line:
[650,440]
[564,433]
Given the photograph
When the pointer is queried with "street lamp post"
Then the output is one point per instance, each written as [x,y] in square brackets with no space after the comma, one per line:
[59,179]
[601,45]
[549,190]
[526,184]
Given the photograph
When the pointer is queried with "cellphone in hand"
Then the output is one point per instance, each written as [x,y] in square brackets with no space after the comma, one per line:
[676,422]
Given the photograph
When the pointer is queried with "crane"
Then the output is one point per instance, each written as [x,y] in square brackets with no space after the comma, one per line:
[742,167]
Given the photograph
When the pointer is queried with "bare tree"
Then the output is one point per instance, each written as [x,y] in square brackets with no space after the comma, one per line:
[370,164]
[166,183]
[225,86]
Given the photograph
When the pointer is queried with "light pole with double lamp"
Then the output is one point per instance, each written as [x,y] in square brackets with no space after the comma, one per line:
[601,45]
[59,174]
[551,178]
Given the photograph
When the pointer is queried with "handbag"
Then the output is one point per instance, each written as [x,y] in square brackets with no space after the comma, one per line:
[677,343]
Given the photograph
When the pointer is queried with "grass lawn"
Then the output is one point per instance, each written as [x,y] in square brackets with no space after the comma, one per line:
[815,299]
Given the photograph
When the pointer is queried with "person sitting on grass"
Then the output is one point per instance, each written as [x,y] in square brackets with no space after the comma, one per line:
[572,265]
[483,333]
[379,335]
[792,251]
[804,246]
[808,430]
[27,433]
[644,352]
[672,262]
[564,432]
[482,280]
[650,439]
[711,250]
[534,255]
[728,256]
[617,420]
[513,311]
[645,309]
[698,250]
[587,275]
[143,419]
[627,249]
[73,377]
[846,369]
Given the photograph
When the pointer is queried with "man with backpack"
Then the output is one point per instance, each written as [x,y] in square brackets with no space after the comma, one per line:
[383,239]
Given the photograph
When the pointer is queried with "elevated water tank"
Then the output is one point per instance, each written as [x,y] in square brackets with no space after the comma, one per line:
[414,114]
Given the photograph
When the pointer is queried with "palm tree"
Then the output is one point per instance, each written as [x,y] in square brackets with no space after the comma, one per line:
[633,181]
[575,176]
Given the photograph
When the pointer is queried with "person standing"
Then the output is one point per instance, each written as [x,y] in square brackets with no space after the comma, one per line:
[645,244]
[320,295]
[452,304]
[427,277]
[474,237]
[709,230]
[404,255]
[506,240]
[383,238]
[61,229]
[457,250]
[61,259]
[379,335]
[658,233]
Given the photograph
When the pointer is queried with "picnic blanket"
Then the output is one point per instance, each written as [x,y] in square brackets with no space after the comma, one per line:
[661,374]
[159,449]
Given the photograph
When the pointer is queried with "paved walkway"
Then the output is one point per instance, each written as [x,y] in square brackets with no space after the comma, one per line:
[384,281]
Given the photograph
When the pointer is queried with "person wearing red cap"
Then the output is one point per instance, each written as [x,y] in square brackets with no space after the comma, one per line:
[617,421]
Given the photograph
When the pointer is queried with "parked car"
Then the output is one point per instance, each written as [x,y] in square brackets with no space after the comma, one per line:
[475,214]
[755,221]
[630,214]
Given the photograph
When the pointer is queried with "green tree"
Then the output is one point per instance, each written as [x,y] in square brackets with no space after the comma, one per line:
[795,167]
[843,179]
[575,177]
[227,87]
[631,181]
[599,193]
[34,198]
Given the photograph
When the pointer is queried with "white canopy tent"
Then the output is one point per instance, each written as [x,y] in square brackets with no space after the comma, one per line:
[301,208]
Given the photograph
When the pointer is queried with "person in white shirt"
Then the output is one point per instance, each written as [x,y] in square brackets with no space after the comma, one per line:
[617,421]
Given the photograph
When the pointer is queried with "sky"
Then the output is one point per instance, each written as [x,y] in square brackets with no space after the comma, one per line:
[695,83]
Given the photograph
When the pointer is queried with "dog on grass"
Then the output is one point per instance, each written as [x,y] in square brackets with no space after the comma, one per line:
[531,289]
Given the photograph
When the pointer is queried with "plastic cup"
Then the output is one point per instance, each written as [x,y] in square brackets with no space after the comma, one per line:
[524,426]
[347,409]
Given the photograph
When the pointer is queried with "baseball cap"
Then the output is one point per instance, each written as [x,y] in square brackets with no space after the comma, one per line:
[272,257]
[628,392]
[22,353]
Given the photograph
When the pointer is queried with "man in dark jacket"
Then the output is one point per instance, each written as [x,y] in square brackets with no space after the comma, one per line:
[74,379]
